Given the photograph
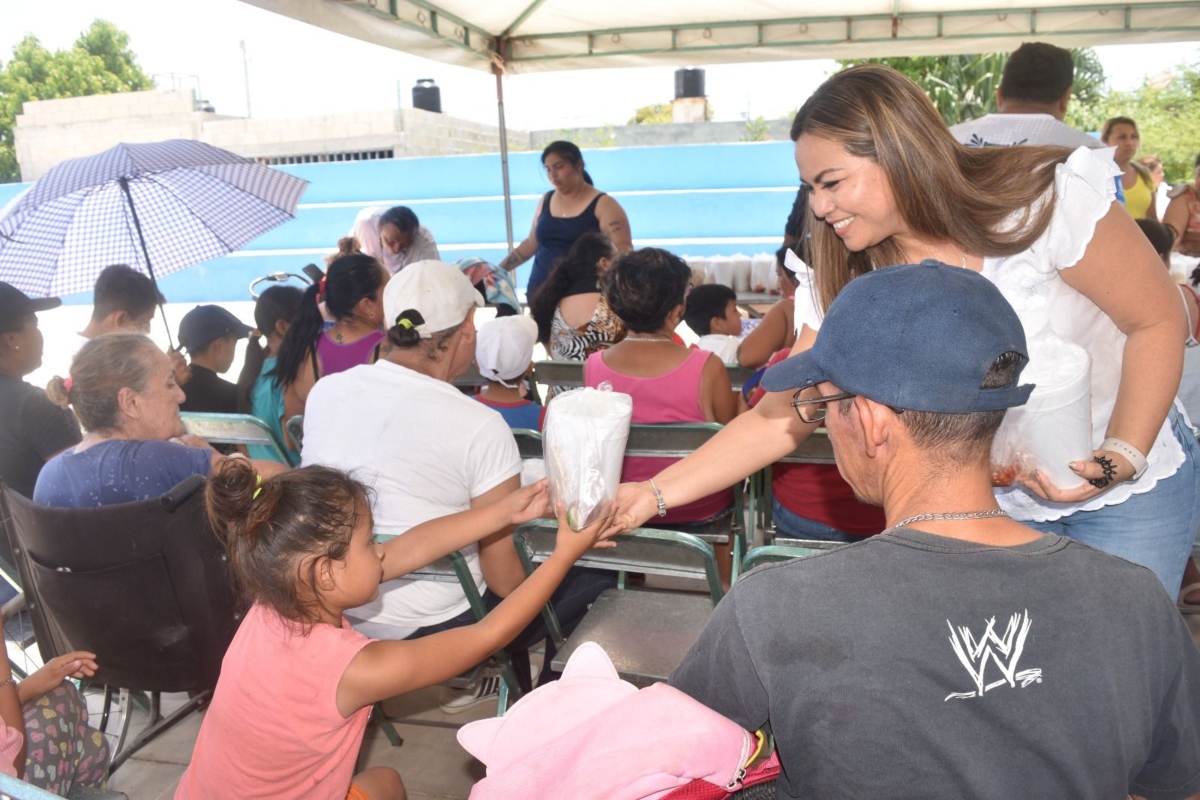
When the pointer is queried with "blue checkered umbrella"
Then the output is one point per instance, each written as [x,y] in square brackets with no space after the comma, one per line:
[159,207]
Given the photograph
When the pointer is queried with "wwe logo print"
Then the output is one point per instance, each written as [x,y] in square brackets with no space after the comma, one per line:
[1004,650]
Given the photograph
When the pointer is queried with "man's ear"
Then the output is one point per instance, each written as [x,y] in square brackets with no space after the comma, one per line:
[874,422]
[118,320]
[1063,102]
[999,99]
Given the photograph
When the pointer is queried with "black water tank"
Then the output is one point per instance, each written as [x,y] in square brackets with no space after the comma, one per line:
[689,82]
[427,96]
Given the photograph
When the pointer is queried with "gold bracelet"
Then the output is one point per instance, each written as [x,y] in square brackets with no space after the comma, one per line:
[10,682]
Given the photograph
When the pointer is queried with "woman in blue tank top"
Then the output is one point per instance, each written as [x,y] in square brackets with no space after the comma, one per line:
[565,213]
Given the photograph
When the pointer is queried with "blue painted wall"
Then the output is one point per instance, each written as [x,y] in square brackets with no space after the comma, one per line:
[695,193]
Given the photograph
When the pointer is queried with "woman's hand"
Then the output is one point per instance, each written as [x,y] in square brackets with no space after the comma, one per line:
[78,664]
[1040,485]
[529,502]
[192,440]
[635,505]
[572,543]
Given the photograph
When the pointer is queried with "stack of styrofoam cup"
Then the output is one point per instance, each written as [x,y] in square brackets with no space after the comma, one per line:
[763,277]
[1056,422]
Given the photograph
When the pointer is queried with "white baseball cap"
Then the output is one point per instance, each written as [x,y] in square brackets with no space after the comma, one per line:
[504,348]
[437,290]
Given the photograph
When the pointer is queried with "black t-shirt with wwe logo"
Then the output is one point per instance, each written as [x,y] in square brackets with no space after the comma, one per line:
[912,665]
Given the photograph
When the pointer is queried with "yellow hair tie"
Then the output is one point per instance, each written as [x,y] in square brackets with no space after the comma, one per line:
[258,483]
[405,323]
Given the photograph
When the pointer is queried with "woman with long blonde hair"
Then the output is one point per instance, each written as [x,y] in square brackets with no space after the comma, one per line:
[888,184]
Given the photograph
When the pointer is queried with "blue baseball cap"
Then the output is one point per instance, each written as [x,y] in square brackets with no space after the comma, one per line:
[205,324]
[915,336]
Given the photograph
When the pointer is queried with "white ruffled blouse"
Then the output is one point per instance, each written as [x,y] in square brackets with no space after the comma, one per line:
[1084,191]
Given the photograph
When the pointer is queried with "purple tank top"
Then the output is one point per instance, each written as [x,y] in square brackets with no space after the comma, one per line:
[671,397]
[334,357]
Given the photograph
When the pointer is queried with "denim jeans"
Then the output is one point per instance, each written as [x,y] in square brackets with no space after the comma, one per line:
[790,524]
[570,601]
[1155,529]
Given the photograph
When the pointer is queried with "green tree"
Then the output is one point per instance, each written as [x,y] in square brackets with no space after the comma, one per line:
[964,87]
[660,114]
[1168,116]
[100,62]
[757,130]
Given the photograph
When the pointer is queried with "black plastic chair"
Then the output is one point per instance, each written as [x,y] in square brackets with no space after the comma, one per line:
[145,586]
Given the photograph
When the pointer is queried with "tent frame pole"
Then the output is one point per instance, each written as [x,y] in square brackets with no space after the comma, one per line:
[508,221]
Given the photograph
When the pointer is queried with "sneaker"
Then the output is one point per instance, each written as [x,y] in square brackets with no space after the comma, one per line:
[485,691]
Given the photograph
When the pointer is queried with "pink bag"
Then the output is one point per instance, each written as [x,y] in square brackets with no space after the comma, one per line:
[592,736]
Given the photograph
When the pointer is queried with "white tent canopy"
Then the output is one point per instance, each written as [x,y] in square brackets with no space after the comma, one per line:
[538,35]
[506,36]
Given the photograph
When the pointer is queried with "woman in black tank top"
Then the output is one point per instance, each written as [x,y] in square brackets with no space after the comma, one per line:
[553,231]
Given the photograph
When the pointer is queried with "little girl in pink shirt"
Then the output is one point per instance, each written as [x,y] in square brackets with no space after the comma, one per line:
[297,684]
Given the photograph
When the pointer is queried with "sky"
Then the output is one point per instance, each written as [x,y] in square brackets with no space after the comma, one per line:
[297,69]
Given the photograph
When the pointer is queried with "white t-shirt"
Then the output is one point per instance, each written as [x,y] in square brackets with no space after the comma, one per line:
[426,449]
[1006,130]
[722,345]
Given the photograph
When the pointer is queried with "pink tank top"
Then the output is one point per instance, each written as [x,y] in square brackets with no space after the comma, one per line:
[671,397]
[334,357]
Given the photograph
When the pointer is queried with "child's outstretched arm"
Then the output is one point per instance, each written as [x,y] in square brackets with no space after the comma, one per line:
[388,668]
[429,541]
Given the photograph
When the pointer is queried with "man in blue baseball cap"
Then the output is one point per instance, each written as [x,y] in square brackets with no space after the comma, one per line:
[959,653]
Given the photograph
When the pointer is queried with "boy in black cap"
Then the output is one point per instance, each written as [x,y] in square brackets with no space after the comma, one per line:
[958,653]
[210,334]
[32,428]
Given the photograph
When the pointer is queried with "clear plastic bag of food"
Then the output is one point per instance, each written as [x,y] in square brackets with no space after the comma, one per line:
[584,444]
[1054,427]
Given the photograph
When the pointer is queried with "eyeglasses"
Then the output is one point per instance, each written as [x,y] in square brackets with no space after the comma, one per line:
[813,409]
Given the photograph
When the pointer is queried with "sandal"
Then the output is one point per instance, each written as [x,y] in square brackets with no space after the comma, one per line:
[1185,606]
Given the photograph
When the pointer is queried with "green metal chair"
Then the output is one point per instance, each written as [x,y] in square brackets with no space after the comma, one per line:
[794,548]
[235,429]
[679,440]
[815,450]
[454,569]
[529,442]
[295,429]
[646,633]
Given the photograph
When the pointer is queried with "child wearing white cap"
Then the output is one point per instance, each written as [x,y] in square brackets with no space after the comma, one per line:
[504,355]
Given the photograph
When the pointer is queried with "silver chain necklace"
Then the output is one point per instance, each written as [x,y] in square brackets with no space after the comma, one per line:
[953,515]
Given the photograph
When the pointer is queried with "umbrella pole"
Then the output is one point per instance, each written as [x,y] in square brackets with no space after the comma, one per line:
[124,183]
[504,154]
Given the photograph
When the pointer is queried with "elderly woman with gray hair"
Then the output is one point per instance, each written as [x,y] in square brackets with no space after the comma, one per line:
[123,390]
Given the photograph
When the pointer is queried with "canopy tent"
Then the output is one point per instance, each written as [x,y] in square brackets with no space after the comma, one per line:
[513,36]
[537,35]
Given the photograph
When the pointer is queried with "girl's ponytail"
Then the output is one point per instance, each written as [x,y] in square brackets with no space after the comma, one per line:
[301,338]
[278,530]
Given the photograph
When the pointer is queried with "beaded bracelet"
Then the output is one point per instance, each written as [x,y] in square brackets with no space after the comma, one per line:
[658,498]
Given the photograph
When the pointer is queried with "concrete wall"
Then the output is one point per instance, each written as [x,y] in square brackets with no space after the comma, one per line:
[51,131]
[672,134]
